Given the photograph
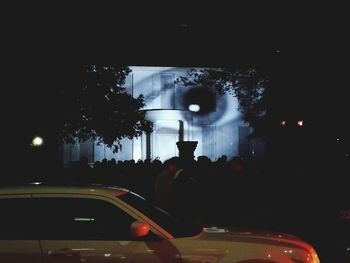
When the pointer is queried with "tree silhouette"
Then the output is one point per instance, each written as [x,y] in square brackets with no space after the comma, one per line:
[249,85]
[98,107]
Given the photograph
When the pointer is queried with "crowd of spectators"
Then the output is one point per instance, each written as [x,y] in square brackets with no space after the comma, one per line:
[200,184]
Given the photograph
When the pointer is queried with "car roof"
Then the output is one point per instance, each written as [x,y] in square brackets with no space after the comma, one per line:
[42,188]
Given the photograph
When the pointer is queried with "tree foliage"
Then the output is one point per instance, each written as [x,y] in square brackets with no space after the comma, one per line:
[98,107]
[249,85]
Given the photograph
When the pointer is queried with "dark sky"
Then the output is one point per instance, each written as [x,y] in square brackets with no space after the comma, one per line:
[179,33]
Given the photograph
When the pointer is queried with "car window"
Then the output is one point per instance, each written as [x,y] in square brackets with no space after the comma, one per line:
[81,219]
[15,219]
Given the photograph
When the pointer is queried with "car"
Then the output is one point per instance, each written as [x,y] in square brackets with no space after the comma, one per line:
[95,223]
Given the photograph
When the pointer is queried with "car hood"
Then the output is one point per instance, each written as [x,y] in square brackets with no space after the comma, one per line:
[227,244]
[253,236]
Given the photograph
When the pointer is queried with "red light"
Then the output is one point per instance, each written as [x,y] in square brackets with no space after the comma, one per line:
[283,123]
[300,123]
[139,229]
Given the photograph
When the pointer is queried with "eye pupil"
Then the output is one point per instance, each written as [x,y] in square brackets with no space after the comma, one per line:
[200,100]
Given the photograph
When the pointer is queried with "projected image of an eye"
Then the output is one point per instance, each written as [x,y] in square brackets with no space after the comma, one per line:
[198,105]
[206,106]
[200,101]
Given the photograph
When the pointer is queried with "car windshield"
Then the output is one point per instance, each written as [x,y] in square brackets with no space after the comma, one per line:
[174,226]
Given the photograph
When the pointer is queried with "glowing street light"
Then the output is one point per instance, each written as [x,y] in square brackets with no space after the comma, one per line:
[194,107]
[37,141]
[300,123]
[283,123]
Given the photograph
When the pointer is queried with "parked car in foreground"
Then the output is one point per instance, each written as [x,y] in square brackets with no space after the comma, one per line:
[92,224]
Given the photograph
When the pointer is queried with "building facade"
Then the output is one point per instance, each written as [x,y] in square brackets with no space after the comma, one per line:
[177,113]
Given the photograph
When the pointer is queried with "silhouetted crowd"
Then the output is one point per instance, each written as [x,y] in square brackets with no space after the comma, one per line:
[188,189]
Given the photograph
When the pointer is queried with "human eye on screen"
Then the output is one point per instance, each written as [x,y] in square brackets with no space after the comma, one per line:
[200,105]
